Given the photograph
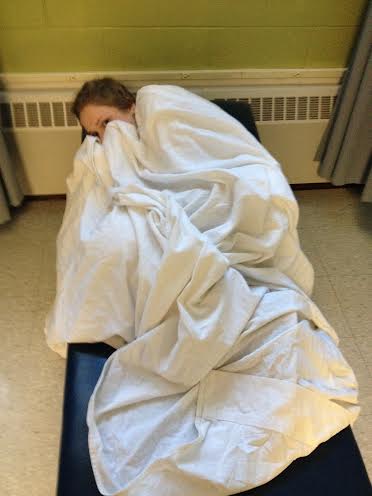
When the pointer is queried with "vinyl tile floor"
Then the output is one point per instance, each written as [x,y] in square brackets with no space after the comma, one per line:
[335,231]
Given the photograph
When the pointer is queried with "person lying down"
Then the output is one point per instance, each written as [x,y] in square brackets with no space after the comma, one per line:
[180,242]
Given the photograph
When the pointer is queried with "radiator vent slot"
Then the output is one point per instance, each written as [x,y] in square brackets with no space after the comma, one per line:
[57,114]
[45,114]
[325,107]
[302,108]
[290,108]
[19,115]
[279,109]
[267,109]
[32,114]
[314,107]
[256,108]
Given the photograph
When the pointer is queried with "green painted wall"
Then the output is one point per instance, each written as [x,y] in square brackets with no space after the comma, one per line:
[104,35]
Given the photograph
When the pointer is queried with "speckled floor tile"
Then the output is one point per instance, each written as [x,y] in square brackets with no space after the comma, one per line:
[309,248]
[353,356]
[29,219]
[329,206]
[30,428]
[364,344]
[54,217]
[20,264]
[354,293]
[365,392]
[326,299]
[47,280]
[30,418]
[344,249]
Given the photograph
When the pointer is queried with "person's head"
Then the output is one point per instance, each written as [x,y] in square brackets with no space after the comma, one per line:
[100,101]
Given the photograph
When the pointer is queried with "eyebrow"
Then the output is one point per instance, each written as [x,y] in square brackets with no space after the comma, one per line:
[94,133]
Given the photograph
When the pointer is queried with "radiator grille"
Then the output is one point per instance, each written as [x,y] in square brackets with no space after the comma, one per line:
[32,114]
[45,114]
[19,115]
[57,114]
[279,108]
[325,107]
[291,108]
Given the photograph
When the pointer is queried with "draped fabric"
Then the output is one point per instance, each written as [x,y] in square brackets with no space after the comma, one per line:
[10,192]
[345,150]
[180,238]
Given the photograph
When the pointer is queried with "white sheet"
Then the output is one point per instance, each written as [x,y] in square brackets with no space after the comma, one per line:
[179,241]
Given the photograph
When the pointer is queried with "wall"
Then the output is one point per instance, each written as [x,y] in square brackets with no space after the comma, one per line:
[89,35]
[295,42]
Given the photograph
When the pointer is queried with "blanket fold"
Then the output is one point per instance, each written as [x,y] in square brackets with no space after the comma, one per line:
[180,240]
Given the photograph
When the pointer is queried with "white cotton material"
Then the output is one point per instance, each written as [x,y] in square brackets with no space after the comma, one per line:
[179,242]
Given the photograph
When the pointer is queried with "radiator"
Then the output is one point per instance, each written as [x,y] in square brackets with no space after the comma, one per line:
[43,134]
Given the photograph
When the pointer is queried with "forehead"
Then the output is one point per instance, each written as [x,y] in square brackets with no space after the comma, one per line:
[91,113]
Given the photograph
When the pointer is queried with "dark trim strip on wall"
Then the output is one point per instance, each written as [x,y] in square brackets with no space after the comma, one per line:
[44,197]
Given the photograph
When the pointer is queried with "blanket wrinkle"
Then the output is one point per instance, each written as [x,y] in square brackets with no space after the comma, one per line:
[186,249]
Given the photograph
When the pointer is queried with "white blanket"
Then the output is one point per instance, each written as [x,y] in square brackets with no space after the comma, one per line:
[179,241]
